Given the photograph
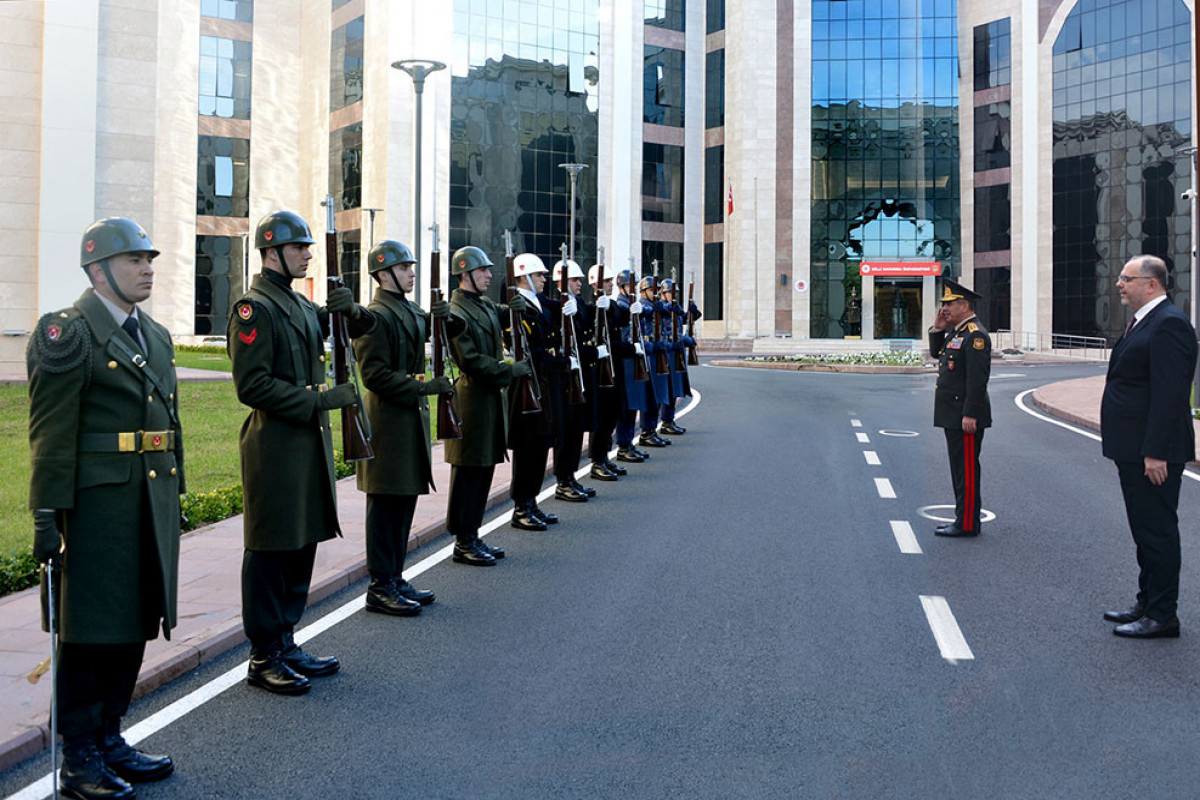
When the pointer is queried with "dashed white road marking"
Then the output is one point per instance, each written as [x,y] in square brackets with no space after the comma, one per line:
[884,487]
[905,538]
[872,457]
[862,437]
[949,637]
[856,423]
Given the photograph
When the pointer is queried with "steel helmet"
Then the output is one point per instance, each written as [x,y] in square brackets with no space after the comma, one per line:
[667,285]
[648,282]
[388,253]
[527,264]
[626,278]
[112,236]
[280,228]
[573,270]
[468,258]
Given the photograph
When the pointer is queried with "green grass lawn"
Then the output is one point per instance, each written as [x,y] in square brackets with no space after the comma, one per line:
[209,358]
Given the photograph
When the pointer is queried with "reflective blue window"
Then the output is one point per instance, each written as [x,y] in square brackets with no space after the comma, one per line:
[346,65]
[1122,111]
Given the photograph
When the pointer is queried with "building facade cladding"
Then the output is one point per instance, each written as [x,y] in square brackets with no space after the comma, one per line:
[524,99]
[1122,110]
[713,269]
[992,83]
[885,155]
[346,64]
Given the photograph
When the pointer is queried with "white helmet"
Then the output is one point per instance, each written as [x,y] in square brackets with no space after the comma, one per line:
[607,273]
[527,264]
[573,270]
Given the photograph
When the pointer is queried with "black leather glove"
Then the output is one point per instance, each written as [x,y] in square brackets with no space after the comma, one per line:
[339,396]
[437,386]
[341,301]
[521,369]
[693,311]
[47,541]
[440,309]
[518,303]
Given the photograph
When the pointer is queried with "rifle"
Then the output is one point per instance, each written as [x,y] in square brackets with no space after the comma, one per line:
[680,357]
[448,426]
[692,359]
[661,366]
[606,374]
[641,362]
[570,341]
[527,388]
[356,428]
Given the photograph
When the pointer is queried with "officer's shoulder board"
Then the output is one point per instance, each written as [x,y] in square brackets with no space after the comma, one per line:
[972,327]
[61,341]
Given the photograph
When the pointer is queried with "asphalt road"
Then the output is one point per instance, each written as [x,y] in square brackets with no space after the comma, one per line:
[738,618]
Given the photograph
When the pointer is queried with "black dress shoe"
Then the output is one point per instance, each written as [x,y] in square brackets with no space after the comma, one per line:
[410,592]
[1147,628]
[567,492]
[524,519]
[132,765]
[579,487]
[382,598]
[600,472]
[628,454]
[544,516]
[651,439]
[672,428]
[471,555]
[616,469]
[307,665]
[1121,617]
[953,530]
[268,671]
[85,776]
[494,552]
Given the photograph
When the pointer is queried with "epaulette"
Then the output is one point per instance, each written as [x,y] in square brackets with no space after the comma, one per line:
[245,310]
[972,327]
[61,342]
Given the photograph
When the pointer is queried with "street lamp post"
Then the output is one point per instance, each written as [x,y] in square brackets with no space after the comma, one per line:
[418,69]
[573,170]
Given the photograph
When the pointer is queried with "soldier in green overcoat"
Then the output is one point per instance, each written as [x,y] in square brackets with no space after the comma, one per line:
[483,378]
[277,344]
[391,360]
[107,472]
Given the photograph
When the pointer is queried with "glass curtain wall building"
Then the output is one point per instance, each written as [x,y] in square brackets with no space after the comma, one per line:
[1122,112]
[524,100]
[885,157]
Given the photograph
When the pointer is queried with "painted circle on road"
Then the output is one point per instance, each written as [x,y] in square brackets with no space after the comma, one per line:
[901,434]
[928,513]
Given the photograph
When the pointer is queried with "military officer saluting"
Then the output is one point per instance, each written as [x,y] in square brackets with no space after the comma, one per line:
[107,473]
[391,359]
[277,345]
[961,406]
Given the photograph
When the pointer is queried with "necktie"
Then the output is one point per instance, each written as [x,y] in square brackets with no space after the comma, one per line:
[130,326]
[1129,327]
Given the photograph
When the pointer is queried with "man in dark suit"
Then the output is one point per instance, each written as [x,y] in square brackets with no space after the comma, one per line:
[1146,427]
[961,406]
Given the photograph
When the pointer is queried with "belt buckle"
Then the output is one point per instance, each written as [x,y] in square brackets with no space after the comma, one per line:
[127,442]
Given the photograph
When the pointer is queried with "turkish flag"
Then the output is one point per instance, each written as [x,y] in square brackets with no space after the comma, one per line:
[730,212]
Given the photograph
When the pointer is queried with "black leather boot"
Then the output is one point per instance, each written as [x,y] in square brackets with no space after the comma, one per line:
[382,598]
[307,665]
[544,516]
[494,552]
[579,487]
[630,455]
[268,671]
[472,556]
[410,592]
[672,428]
[85,776]
[616,469]
[602,473]
[132,765]
[524,519]
[652,439]
[567,492]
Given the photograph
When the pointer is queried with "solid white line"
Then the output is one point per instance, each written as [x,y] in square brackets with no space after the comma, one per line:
[884,487]
[872,457]
[856,423]
[862,437]
[949,637]
[154,723]
[1020,401]
[905,538]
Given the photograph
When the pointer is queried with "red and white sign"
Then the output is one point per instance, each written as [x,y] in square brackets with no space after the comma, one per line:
[895,269]
[801,285]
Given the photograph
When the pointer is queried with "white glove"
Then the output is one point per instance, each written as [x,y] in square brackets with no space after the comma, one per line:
[637,348]
[601,351]
[637,307]
[603,302]
[575,364]
[570,308]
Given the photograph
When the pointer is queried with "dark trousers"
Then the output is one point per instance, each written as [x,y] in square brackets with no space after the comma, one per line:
[469,488]
[625,428]
[666,411]
[650,419]
[274,593]
[1153,513]
[95,683]
[388,524]
[528,469]
[964,471]
[601,441]
[567,452]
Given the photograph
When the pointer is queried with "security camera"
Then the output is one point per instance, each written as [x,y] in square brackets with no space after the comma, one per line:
[1186,194]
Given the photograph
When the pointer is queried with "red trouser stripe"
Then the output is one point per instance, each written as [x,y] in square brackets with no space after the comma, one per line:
[969,514]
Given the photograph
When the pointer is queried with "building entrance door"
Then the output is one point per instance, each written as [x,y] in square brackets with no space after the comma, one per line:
[897,309]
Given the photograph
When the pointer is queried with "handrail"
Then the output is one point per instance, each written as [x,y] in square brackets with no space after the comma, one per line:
[1067,345]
